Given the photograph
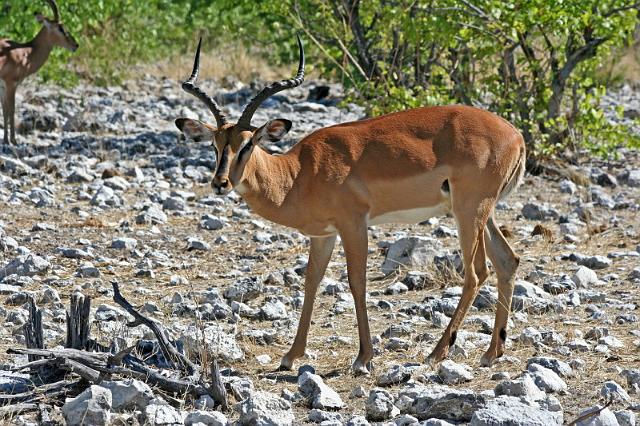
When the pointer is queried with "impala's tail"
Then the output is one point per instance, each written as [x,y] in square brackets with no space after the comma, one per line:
[516,176]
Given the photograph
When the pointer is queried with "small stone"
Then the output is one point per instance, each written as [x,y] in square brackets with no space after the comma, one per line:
[411,252]
[521,387]
[208,418]
[273,310]
[633,379]
[262,408]
[396,288]
[395,374]
[530,336]
[379,406]
[159,413]
[453,373]
[124,243]
[560,367]
[612,390]
[604,418]
[584,277]
[546,379]
[263,359]
[322,396]
[194,243]
[211,223]
[506,410]
[87,270]
[25,265]
[128,393]
[92,407]
[358,392]
[625,417]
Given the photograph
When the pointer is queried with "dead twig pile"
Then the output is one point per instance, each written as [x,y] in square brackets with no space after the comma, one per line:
[59,373]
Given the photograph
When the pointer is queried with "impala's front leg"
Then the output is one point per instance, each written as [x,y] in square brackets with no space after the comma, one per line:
[9,106]
[5,112]
[354,241]
[319,255]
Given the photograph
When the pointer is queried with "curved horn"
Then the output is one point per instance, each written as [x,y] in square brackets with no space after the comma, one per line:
[272,89]
[54,7]
[190,87]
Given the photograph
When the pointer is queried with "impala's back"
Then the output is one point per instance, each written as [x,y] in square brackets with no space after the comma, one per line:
[400,168]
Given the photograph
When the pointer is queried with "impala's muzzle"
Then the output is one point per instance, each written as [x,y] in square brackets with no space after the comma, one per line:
[221,185]
[220,182]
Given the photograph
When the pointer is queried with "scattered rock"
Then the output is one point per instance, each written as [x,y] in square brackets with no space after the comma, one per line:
[92,406]
[379,405]
[321,396]
[265,409]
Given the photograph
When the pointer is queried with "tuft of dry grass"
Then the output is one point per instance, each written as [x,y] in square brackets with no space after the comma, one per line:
[234,59]
[627,66]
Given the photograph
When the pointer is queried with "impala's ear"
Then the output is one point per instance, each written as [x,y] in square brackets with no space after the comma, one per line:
[273,131]
[195,130]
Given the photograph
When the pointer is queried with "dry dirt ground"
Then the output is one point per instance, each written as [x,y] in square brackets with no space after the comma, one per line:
[333,337]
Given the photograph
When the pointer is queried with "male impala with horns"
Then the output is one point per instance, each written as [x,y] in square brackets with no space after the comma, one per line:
[398,168]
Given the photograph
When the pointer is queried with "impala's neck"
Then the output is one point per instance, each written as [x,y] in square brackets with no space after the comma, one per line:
[41,47]
[267,184]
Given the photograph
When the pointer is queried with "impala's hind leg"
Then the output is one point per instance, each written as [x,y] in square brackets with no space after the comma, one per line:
[319,255]
[5,112]
[505,262]
[471,217]
[354,241]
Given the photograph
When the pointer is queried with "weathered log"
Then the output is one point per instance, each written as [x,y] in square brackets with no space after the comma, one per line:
[46,391]
[12,410]
[78,325]
[153,377]
[171,354]
[87,373]
[90,359]
[33,365]
[32,329]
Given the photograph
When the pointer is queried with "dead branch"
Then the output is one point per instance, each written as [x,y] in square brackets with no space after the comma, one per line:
[15,409]
[169,350]
[33,334]
[87,373]
[78,326]
[217,390]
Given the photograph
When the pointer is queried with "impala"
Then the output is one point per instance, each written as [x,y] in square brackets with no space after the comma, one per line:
[403,167]
[20,60]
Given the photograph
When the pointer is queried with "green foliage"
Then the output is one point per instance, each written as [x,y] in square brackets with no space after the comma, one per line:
[115,35]
[532,61]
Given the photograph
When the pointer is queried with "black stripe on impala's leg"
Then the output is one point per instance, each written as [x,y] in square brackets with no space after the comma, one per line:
[503,334]
[453,338]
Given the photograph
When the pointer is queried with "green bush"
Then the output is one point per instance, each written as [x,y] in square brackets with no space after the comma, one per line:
[534,62]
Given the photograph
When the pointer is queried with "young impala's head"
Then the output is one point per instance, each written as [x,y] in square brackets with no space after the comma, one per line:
[56,31]
[235,143]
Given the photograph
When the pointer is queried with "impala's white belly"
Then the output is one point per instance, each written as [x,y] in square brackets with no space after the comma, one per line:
[409,216]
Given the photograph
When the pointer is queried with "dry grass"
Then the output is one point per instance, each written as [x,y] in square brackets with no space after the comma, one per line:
[234,60]
[624,66]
